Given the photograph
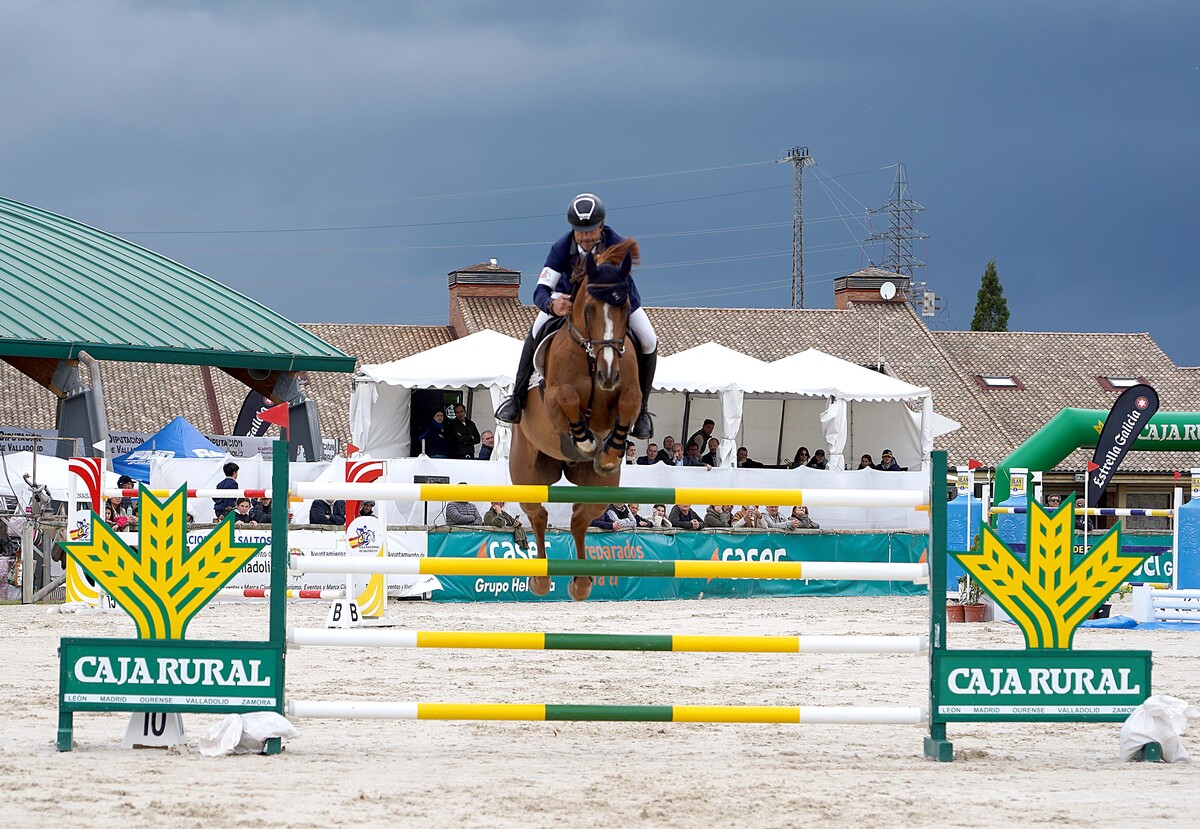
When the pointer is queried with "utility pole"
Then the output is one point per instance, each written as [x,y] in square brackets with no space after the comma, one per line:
[799,158]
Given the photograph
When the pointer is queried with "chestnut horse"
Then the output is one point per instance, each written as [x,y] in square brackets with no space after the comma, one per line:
[579,424]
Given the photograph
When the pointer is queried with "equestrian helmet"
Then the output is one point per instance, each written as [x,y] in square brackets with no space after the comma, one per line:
[585,212]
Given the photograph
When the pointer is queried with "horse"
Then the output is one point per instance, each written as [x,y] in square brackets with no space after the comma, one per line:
[578,425]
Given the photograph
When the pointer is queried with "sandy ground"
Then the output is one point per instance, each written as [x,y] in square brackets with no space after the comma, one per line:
[387,773]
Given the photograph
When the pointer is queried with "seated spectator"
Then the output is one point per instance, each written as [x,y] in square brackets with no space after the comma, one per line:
[487,443]
[866,462]
[772,520]
[691,457]
[658,518]
[719,517]
[1053,502]
[616,517]
[241,511]
[462,513]
[639,520]
[677,455]
[123,515]
[497,517]
[126,482]
[631,455]
[701,436]
[261,512]
[748,517]
[744,461]
[802,521]
[713,457]
[667,453]
[435,439]
[802,457]
[887,462]
[1084,523]
[224,505]
[332,513]
[651,456]
[120,522]
[685,518]
[818,460]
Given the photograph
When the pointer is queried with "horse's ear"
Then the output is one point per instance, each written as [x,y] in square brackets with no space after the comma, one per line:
[590,266]
[626,265]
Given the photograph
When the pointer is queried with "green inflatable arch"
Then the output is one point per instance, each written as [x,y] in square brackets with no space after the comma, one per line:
[1073,429]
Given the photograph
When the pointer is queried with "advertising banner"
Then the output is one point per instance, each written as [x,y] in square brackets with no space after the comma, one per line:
[867,547]
[1129,415]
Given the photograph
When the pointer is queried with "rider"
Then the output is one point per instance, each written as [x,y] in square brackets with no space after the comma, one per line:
[588,234]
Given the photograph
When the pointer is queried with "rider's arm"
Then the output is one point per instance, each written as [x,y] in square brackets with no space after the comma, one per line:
[547,287]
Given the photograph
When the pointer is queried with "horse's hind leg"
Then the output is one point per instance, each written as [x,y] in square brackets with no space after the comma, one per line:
[538,585]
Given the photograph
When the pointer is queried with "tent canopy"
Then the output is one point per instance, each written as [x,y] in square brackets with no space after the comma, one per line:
[819,374]
[711,368]
[178,439]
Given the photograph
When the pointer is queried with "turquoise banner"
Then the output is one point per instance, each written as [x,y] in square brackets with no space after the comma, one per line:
[903,548]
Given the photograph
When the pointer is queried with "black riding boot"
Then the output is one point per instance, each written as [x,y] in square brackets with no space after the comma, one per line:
[510,409]
[643,429]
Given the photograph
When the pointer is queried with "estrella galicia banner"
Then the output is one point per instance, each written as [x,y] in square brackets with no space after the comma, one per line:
[901,548]
[1125,421]
[248,421]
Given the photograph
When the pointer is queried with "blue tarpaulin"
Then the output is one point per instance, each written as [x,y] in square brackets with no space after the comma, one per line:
[178,439]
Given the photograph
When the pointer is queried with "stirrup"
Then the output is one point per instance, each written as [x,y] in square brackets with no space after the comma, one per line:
[509,411]
[643,427]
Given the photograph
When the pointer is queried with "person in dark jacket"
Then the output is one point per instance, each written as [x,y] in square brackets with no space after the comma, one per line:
[616,517]
[887,462]
[224,505]
[462,434]
[435,439]
[685,518]
[818,460]
[332,513]
[261,512]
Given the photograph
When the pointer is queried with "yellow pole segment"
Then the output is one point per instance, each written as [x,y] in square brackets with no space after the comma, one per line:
[478,711]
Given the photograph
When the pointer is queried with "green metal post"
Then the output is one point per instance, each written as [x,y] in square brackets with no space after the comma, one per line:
[281,507]
[937,747]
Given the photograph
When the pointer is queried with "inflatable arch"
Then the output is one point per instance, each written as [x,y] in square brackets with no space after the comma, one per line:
[1073,429]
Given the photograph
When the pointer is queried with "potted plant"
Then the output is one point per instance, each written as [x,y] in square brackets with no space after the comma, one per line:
[955,612]
[970,595]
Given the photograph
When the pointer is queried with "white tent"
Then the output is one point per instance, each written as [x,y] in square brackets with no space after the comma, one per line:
[380,405]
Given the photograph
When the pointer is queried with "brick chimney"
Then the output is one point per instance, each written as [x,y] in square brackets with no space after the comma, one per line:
[864,286]
[487,279]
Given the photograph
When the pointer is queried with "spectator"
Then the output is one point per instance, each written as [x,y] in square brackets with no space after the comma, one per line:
[631,456]
[224,505]
[497,517]
[328,512]
[719,517]
[802,457]
[772,520]
[1053,502]
[692,458]
[866,462]
[658,518]
[667,453]
[639,520]
[651,456]
[818,460]
[488,441]
[241,512]
[700,438]
[126,482]
[437,442]
[744,461]
[616,517]
[887,462]
[119,522]
[366,508]
[1084,523]
[713,457]
[747,517]
[676,455]
[123,514]
[261,511]
[462,434]
[462,513]
[685,518]
[802,521]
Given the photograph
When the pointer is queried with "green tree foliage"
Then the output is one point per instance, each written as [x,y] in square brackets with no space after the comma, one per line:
[991,308]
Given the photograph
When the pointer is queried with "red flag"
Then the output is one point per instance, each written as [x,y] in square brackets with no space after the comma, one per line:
[1092,466]
[1177,473]
[277,415]
[973,464]
[350,449]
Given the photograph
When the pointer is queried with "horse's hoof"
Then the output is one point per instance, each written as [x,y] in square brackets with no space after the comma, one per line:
[539,585]
[580,588]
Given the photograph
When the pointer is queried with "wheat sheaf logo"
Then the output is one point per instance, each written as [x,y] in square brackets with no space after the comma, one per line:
[1049,595]
[162,584]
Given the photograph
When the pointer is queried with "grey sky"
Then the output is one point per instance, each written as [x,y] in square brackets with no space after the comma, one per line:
[1058,138]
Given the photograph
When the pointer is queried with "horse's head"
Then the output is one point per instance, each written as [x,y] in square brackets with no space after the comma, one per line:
[601,311]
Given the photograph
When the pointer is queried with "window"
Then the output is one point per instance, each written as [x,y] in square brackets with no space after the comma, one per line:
[999,381]
[1118,382]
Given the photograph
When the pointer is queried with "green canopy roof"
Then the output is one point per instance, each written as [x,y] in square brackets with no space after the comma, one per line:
[69,287]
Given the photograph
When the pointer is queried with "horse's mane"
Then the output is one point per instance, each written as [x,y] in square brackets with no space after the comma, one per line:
[608,256]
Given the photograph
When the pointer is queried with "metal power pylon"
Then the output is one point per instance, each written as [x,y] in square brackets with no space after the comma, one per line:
[902,215]
[799,158]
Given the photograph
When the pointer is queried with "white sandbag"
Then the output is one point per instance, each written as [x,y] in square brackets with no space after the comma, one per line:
[1160,719]
[245,733]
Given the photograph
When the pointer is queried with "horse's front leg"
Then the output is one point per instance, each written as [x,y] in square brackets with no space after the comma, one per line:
[538,585]
[582,516]
[565,407]
[612,455]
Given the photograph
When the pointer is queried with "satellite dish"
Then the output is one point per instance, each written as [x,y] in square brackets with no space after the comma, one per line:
[887,290]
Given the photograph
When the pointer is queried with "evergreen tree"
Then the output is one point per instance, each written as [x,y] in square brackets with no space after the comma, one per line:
[991,308]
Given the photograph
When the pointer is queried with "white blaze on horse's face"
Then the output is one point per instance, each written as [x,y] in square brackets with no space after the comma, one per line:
[608,370]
